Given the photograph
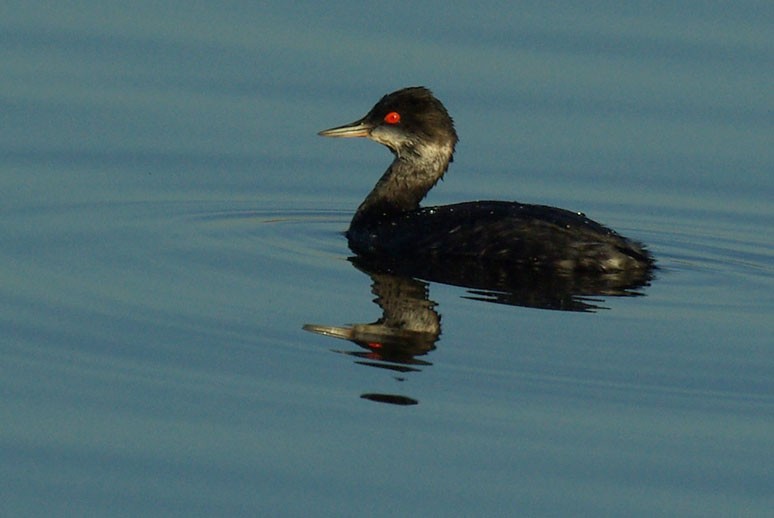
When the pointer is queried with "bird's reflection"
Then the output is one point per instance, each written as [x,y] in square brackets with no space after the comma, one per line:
[504,284]
[408,329]
[410,326]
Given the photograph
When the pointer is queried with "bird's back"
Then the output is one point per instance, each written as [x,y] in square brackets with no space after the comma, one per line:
[508,232]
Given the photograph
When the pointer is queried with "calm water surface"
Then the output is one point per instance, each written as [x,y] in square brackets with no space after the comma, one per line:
[171,222]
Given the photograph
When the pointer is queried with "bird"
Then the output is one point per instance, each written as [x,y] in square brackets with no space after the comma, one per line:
[391,224]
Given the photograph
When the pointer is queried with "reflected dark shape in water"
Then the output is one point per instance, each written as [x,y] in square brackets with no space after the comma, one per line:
[410,326]
[505,284]
[393,400]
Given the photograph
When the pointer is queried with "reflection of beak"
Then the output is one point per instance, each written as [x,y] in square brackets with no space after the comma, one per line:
[353,129]
[347,333]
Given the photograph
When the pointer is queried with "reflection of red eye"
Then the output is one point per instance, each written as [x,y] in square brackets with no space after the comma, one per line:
[392,118]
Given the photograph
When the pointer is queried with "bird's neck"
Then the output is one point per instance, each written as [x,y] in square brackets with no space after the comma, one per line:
[408,179]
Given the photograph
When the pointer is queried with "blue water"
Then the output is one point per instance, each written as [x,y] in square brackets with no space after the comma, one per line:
[171,221]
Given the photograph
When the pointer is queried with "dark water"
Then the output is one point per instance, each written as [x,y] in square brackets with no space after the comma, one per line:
[170,222]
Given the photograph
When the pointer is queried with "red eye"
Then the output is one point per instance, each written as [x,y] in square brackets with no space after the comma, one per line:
[392,118]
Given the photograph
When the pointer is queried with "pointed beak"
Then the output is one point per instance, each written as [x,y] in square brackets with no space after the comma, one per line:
[353,129]
[336,332]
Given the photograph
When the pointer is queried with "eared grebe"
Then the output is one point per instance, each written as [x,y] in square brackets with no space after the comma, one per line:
[389,223]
